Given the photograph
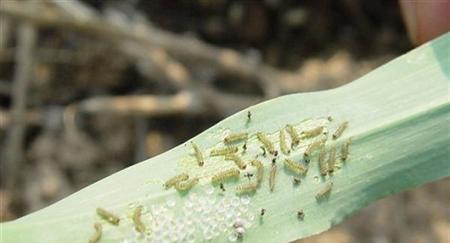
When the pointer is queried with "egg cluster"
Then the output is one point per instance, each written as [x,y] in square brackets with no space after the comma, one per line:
[200,217]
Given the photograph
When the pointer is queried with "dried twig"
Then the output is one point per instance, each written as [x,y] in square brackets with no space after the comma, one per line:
[153,105]
[185,102]
[192,50]
[22,75]
[200,101]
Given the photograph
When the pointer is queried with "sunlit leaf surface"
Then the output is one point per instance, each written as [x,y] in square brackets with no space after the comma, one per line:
[398,124]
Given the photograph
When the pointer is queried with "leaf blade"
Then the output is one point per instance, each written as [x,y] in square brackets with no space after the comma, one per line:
[398,118]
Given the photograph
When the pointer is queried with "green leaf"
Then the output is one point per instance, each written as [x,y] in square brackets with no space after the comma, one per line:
[398,120]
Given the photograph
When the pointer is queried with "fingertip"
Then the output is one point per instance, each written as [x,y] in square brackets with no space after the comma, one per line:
[425,20]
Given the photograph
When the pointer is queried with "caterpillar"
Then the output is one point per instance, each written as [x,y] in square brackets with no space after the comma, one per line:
[260,170]
[186,185]
[313,146]
[223,151]
[313,132]
[138,224]
[331,160]
[224,175]
[297,168]
[237,160]
[245,188]
[345,149]
[98,233]
[325,191]
[283,146]
[340,130]
[108,216]
[273,173]
[198,154]
[294,135]
[174,180]
[232,138]
[266,142]
[323,166]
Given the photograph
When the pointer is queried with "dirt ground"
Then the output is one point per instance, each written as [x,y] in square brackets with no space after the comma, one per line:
[82,114]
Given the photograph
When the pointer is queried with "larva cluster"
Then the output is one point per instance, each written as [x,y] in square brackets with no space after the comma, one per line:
[186,185]
[198,154]
[323,166]
[325,191]
[237,160]
[138,225]
[331,160]
[108,216]
[272,177]
[225,175]
[295,167]
[313,132]
[283,144]
[246,188]
[176,179]
[340,130]
[223,151]
[313,147]
[236,137]
[345,149]
[259,170]
[266,142]
[98,233]
[294,135]
[306,143]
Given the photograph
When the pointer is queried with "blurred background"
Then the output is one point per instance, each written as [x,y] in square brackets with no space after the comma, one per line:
[90,87]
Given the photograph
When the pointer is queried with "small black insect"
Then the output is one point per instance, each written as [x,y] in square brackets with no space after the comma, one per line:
[222,187]
[248,175]
[276,153]
[263,211]
[249,116]
[300,215]
[296,181]
[274,160]
[244,147]
[264,151]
